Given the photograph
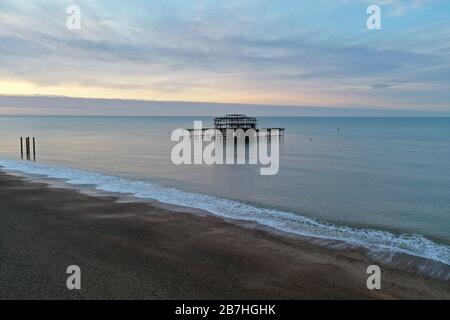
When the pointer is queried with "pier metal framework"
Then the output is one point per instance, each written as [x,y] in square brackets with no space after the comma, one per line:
[235,121]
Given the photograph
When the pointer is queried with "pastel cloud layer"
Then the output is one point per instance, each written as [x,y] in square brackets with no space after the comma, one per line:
[281,52]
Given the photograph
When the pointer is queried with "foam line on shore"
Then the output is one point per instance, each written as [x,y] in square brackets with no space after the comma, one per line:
[375,240]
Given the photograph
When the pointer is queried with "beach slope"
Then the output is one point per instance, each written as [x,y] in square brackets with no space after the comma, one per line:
[145,251]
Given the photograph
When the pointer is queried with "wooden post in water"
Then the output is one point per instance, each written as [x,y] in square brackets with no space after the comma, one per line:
[21,147]
[28,147]
[34,148]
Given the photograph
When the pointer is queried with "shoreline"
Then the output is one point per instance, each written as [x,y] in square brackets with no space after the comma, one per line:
[431,257]
[426,267]
[142,251]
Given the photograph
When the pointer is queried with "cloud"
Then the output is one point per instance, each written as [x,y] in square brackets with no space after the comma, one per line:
[383,86]
[402,7]
[214,50]
[395,8]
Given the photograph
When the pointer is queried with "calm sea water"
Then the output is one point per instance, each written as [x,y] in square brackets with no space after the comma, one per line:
[380,181]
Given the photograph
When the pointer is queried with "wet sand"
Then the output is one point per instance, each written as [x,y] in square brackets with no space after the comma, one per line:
[145,251]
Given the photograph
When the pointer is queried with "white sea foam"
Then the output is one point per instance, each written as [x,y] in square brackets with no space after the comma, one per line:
[381,242]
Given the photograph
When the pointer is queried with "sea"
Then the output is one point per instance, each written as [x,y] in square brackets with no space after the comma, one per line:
[378,183]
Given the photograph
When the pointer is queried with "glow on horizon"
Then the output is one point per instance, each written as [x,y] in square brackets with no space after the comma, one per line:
[19,88]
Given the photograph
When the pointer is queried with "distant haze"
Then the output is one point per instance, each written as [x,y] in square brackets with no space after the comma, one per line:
[42,105]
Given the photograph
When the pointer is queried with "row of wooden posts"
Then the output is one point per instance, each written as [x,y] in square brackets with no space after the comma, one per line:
[28,144]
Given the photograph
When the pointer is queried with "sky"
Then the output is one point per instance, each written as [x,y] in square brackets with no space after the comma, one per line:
[259,52]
